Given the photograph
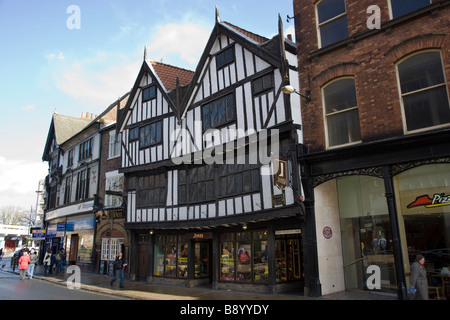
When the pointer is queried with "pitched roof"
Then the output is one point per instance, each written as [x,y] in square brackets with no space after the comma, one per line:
[66,127]
[168,75]
[248,34]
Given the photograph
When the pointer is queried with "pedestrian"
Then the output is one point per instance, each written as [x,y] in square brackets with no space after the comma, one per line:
[57,260]
[62,261]
[24,260]
[34,258]
[119,267]
[48,262]
[419,282]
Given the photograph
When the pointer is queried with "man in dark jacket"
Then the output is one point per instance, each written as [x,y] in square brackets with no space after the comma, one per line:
[119,267]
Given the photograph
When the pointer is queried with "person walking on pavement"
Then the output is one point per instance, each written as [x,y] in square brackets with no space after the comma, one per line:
[34,259]
[419,280]
[24,260]
[119,267]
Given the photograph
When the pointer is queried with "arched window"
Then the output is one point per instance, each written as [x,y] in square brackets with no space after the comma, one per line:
[341,112]
[423,91]
[331,21]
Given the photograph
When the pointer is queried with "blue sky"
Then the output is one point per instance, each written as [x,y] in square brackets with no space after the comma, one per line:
[47,66]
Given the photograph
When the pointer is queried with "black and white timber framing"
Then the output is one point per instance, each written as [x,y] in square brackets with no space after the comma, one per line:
[247,61]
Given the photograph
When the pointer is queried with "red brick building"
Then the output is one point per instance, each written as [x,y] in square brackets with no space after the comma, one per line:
[376,136]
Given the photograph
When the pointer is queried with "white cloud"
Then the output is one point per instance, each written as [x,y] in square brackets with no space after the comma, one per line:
[97,89]
[29,107]
[59,56]
[18,182]
[187,41]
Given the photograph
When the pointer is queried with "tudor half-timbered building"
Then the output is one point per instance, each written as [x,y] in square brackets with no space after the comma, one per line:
[209,158]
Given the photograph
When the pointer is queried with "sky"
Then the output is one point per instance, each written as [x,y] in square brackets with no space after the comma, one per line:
[81,55]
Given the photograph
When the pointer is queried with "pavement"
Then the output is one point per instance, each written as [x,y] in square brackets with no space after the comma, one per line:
[137,290]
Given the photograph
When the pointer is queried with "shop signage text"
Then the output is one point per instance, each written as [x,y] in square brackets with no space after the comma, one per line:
[438,200]
[199,236]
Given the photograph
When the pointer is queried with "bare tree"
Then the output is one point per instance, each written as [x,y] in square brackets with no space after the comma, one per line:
[11,215]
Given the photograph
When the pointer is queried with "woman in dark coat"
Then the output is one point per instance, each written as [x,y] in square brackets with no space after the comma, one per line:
[419,278]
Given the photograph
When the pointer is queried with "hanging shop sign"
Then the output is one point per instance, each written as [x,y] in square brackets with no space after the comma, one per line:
[438,200]
[280,178]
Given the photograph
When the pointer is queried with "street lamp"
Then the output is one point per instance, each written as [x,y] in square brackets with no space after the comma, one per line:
[290,89]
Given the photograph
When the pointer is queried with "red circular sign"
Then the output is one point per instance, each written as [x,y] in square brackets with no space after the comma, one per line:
[327,232]
[243,257]
[170,256]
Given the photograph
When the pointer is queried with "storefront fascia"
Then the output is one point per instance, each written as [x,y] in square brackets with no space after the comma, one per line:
[72,228]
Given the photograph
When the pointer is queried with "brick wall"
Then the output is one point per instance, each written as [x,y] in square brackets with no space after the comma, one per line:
[370,56]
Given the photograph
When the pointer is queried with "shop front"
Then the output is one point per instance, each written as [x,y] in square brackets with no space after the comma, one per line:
[423,195]
[261,259]
[80,240]
[372,221]
[55,236]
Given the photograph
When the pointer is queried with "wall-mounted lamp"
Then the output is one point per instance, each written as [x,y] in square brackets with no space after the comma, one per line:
[151,232]
[244,226]
[290,89]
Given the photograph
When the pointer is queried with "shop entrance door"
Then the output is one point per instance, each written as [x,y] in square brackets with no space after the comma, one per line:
[73,249]
[203,259]
[142,263]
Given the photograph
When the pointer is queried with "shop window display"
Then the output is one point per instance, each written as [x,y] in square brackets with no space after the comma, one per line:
[365,231]
[244,257]
[170,256]
[424,216]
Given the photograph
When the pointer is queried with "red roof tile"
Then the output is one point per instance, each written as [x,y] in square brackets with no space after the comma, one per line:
[168,75]
[249,34]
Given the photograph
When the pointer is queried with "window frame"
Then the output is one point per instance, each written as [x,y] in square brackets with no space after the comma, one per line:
[401,95]
[152,95]
[114,144]
[391,11]
[320,24]
[146,190]
[326,116]
[263,90]
[85,149]
[150,125]
[70,158]
[215,103]
[223,53]
[184,187]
